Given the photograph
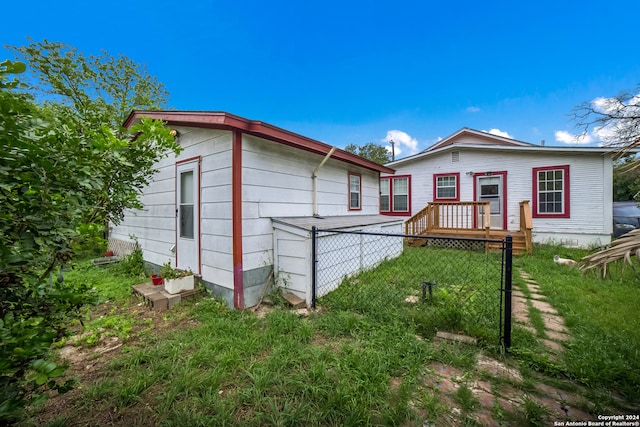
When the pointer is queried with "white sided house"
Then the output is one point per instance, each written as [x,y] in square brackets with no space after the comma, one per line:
[237,204]
[562,194]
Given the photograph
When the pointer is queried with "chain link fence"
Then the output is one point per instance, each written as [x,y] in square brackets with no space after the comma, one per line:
[437,284]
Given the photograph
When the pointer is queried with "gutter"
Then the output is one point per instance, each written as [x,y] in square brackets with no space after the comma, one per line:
[314,185]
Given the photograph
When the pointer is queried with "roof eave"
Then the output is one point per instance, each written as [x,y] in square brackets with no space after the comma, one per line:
[219,119]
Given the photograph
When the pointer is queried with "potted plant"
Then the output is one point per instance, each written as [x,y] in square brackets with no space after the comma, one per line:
[176,280]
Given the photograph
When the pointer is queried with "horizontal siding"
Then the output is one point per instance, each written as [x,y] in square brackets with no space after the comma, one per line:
[292,266]
[277,183]
[590,200]
[154,225]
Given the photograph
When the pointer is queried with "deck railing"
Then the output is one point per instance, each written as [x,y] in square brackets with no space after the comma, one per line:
[450,215]
[526,225]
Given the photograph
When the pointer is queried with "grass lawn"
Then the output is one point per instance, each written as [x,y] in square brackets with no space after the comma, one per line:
[603,317]
[201,363]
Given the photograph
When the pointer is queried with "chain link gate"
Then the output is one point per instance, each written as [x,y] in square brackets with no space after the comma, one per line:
[435,283]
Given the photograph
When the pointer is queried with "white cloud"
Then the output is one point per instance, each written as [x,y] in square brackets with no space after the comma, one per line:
[473,109]
[569,138]
[498,132]
[402,140]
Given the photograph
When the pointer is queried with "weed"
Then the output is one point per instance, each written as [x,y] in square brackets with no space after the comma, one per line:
[465,398]
[534,413]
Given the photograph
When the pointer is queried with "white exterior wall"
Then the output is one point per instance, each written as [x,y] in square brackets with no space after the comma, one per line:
[155,225]
[338,256]
[276,182]
[590,177]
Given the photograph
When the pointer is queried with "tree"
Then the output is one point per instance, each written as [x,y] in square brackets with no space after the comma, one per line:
[95,94]
[626,179]
[97,90]
[616,120]
[58,170]
[372,151]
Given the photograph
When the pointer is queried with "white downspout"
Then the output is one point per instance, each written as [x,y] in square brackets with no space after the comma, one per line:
[314,176]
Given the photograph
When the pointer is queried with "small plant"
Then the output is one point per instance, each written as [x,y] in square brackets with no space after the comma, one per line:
[133,263]
[169,272]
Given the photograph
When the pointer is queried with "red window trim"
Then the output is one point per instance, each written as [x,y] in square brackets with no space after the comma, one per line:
[566,192]
[435,187]
[391,211]
[359,208]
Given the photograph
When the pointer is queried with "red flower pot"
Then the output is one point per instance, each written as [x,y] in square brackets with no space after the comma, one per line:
[157,280]
[108,253]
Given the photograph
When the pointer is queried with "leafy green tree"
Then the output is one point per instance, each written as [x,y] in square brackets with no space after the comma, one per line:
[95,94]
[55,175]
[97,90]
[371,151]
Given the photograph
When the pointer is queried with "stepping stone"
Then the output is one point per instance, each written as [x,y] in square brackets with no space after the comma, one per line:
[552,345]
[528,327]
[524,274]
[543,306]
[554,323]
[454,337]
[497,369]
[518,294]
[534,288]
[558,336]
[538,296]
[520,310]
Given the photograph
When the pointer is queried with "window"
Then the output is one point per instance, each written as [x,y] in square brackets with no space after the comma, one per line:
[186,204]
[401,194]
[385,195]
[446,187]
[551,192]
[395,195]
[355,196]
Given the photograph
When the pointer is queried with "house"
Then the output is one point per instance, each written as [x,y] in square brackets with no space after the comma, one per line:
[238,203]
[564,194]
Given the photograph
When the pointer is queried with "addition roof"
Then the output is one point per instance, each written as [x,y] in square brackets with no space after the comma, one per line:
[223,120]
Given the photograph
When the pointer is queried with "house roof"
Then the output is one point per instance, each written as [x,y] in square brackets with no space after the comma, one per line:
[222,120]
[476,140]
[480,137]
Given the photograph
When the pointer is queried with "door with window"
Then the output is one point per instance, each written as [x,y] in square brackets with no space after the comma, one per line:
[490,188]
[188,216]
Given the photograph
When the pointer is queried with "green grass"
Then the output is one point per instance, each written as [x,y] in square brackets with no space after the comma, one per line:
[466,297]
[356,366]
[602,315]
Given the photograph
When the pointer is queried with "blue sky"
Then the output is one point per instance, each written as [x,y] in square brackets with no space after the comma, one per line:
[356,72]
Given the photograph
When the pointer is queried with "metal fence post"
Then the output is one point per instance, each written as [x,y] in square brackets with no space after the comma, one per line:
[508,268]
[314,265]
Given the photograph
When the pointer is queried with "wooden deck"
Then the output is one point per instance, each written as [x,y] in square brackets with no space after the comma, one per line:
[465,220]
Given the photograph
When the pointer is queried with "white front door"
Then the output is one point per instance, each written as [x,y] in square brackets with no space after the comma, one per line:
[188,216]
[489,189]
